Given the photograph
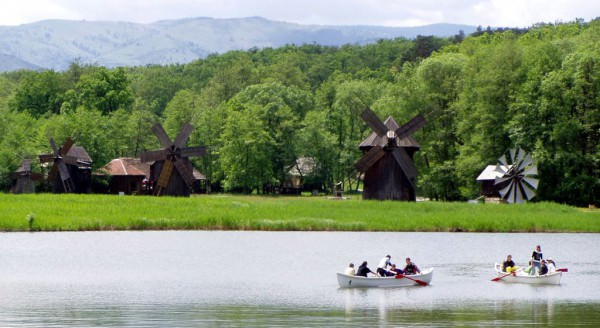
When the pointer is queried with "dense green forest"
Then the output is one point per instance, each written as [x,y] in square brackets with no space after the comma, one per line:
[259,110]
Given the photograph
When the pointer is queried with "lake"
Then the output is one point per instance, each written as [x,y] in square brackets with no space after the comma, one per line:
[242,279]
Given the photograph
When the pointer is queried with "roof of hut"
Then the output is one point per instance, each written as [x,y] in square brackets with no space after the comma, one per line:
[128,166]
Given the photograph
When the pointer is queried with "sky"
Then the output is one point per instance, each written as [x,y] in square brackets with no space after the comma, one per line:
[401,13]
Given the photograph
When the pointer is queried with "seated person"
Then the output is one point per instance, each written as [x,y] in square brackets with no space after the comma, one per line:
[382,268]
[544,268]
[392,271]
[350,270]
[529,267]
[411,268]
[551,266]
[509,265]
[363,270]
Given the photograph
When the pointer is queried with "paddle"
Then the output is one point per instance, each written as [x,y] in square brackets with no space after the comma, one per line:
[420,282]
[506,275]
[562,270]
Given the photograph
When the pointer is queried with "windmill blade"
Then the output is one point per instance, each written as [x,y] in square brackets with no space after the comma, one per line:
[153,155]
[515,196]
[374,122]
[532,170]
[502,160]
[63,171]
[55,149]
[520,156]
[533,182]
[165,174]
[193,151]
[512,152]
[183,135]
[529,193]
[370,158]
[411,126]
[406,164]
[505,191]
[502,169]
[185,172]
[527,160]
[52,174]
[498,181]
[162,136]
[64,150]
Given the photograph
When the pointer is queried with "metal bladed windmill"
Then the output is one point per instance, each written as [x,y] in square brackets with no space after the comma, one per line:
[387,163]
[24,179]
[172,169]
[517,183]
[60,175]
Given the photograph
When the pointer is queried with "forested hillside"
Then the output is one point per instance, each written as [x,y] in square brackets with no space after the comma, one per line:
[258,111]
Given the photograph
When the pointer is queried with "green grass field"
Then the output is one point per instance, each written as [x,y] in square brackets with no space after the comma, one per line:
[48,212]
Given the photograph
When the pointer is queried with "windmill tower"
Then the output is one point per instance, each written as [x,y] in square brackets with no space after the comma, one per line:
[387,162]
[172,169]
[71,170]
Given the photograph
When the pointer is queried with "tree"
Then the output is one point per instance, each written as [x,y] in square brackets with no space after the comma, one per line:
[105,90]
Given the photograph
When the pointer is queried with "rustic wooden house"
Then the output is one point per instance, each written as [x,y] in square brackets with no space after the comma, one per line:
[487,178]
[131,176]
[126,175]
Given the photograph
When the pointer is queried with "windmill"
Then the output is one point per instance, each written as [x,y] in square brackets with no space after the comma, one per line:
[516,183]
[389,171]
[172,166]
[71,169]
[24,179]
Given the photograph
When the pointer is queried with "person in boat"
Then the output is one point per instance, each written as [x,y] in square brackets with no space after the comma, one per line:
[411,268]
[509,265]
[350,270]
[551,265]
[382,268]
[363,270]
[536,257]
[528,268]
[393,270]
[543,268]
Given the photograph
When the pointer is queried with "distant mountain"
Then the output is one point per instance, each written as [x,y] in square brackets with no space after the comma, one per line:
[55,44]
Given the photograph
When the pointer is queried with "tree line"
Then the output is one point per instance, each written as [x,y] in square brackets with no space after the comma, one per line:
[258,111]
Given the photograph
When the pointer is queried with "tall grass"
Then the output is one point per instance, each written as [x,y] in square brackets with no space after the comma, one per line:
[48,212]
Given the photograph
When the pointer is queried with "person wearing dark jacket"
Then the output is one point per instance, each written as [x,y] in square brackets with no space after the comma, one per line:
[363,270]
[411,268]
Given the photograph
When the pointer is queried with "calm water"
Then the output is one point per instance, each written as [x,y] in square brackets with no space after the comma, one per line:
[240,279]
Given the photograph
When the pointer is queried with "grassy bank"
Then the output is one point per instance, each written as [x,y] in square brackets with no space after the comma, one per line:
[46,212]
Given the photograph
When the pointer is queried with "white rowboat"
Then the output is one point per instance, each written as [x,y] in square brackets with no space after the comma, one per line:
[524,278]
[350,281]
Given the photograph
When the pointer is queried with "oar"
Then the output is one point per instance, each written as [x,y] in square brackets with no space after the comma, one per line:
[562,270]
[506,275]
[420,282]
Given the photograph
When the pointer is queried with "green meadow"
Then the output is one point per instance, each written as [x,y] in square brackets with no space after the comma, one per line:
[49,212]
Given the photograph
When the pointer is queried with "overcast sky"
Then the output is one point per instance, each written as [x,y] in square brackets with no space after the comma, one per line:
[495,13]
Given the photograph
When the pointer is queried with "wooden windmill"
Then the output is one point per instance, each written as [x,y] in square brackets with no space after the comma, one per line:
[24,179]
[387,162]
[172,169]
[71,171]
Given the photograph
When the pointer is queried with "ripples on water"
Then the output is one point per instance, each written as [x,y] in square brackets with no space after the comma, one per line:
[242,279]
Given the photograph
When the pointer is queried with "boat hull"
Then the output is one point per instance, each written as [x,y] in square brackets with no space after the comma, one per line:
[349,281]
[524,278]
